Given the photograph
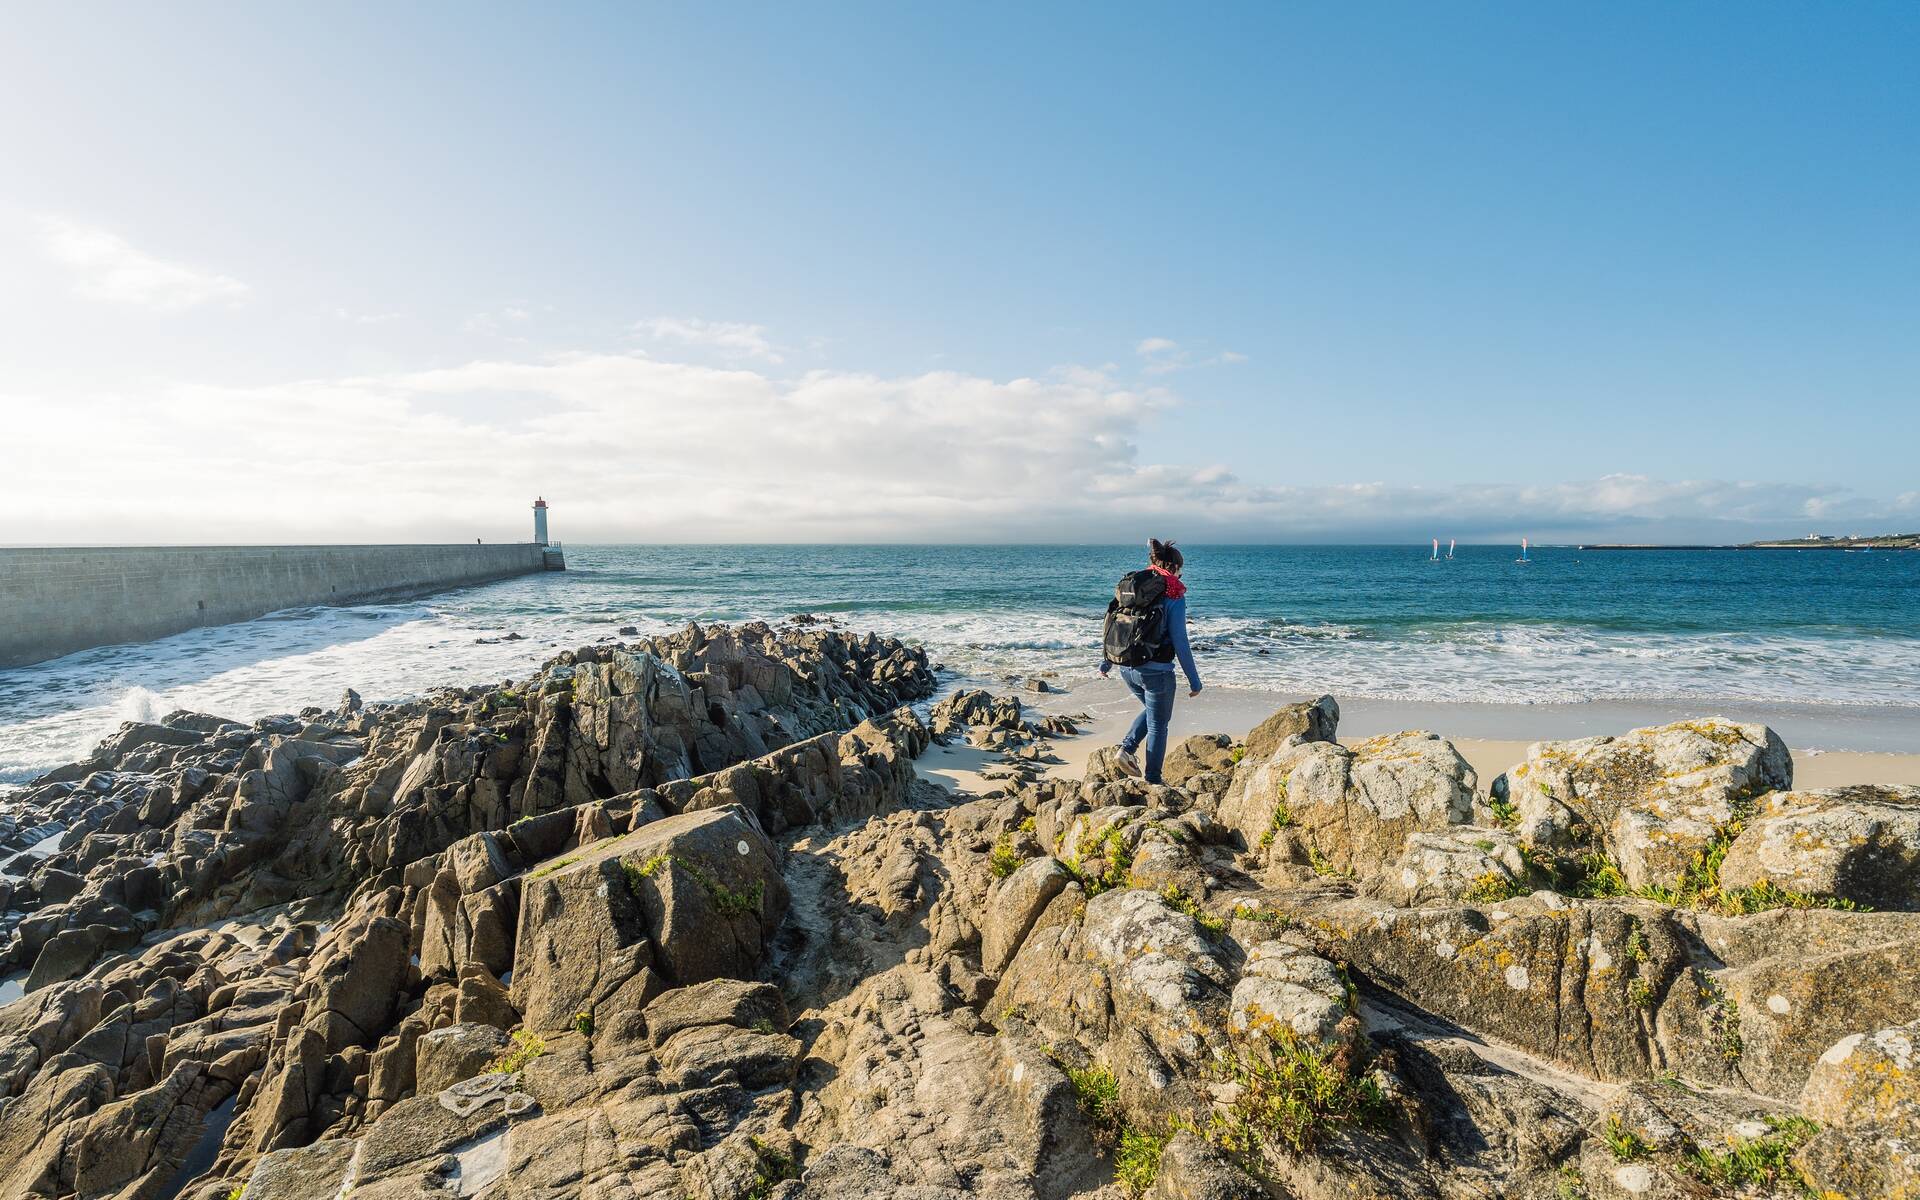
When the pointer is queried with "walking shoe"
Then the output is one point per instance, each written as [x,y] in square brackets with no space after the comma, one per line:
[1128,764]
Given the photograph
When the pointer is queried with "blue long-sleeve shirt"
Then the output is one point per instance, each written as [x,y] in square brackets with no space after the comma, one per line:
[1177,627]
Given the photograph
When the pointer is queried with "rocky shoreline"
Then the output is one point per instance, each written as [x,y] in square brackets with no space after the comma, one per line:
[677,917]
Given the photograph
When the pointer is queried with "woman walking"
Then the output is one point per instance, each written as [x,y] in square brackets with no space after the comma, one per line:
[1146,631]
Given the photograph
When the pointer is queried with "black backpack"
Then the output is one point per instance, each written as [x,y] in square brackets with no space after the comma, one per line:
[1136,630]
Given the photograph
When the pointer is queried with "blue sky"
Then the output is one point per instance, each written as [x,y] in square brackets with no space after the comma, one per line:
[887,271]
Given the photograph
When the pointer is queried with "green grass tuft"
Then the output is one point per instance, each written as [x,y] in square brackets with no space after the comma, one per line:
[770,1167]
[1213,925]
[1491,887]
[1322,865]
[1626,1145]
[526,1048]
[1755,1161]
[1292,1092]
[726,901]
[1136,1164]
[1003,861]
[1098,1094]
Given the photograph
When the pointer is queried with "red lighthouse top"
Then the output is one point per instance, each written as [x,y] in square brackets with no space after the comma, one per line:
[539,503]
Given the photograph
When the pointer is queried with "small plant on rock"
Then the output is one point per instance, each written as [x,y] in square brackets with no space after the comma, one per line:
[1639,993]
[1292,1091]
[1098,1094]
[1271,918]
[1757,1161]
[1322,865]
[1282,819]
[1596,878]
[583,1021]
[526,1048]
[1625,1143]
[1636,944]
[1136,1164]
[1491,887]
[1116,871]
[1504,810]
[1571,1184]
[771,1166]
[1186,904]
[1003,861]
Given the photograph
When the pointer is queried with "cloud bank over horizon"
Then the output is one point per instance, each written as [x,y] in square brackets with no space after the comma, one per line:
[630,446]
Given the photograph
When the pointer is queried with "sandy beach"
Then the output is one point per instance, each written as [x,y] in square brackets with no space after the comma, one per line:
[1491,737]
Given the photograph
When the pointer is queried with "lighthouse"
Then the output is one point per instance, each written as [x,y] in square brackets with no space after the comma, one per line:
[539,522]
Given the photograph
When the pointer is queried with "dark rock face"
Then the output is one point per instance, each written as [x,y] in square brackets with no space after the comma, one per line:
[678,918]
[369,872]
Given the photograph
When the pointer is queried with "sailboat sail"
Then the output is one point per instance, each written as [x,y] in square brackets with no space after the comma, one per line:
[1450,545]
[1436,550]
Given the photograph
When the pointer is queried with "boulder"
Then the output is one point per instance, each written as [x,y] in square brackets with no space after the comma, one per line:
[1313,721]
[1287,985]
[1014,905]
[1447,866]
[1136,981]
[446,1056]
[678,901]
[710,1055]
[710,889]
[1201,753]
[315,1172]
[1609,989]
[1867,1078]
[357,975]
[1191,1168]
[716,1002]
[1652,800]
[971,708]
[1860,844]
[1352,807]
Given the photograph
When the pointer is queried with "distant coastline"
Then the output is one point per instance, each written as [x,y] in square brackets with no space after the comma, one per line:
[1888,541]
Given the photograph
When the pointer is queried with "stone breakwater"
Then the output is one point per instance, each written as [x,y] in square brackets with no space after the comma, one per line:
[59,600]
[678,918]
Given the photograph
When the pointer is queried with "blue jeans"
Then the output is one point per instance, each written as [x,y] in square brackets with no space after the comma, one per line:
[1154,690]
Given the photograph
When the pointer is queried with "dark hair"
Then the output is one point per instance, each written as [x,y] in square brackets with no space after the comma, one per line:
[1165,554]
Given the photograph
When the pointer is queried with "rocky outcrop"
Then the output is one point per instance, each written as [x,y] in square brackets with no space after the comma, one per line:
[368,870]
[677,917]
[1652,801]
[1346,809]
[1860,845]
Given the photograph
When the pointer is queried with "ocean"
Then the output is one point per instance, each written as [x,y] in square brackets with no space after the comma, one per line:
[1819,629]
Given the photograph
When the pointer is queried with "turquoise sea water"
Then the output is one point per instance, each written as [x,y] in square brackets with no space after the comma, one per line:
[1804,628]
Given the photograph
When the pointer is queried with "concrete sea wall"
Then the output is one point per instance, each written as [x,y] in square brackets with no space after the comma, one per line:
[57,601]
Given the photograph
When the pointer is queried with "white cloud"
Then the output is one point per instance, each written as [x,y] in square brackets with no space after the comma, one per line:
[734,339]
[631,447]
[493,322]
[106,267]
[1163,356]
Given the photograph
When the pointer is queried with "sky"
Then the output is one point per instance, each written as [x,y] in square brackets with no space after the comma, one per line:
[882,272]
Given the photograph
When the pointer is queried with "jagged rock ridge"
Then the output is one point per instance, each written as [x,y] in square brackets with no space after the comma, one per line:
[679,920]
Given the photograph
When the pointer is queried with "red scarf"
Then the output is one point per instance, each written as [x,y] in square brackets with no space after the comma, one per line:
[1175,588]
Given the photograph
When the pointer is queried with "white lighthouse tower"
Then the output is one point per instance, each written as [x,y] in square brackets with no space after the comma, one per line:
[540,522]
